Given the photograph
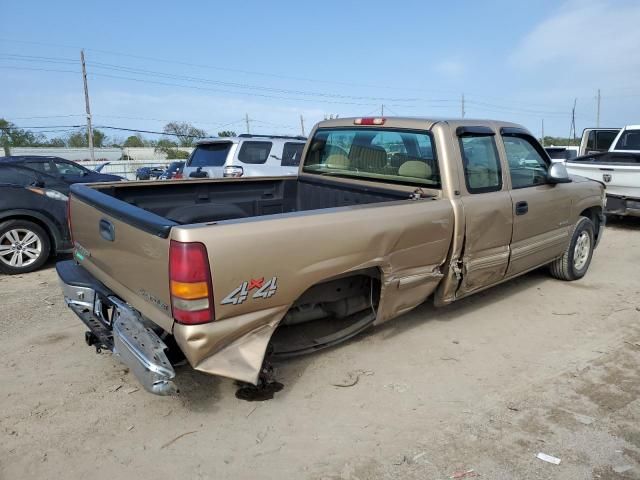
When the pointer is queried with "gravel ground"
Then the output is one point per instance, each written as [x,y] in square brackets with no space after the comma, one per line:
[482,386]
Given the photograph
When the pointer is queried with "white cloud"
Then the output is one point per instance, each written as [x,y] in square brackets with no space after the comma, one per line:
[450,68]
[598,38]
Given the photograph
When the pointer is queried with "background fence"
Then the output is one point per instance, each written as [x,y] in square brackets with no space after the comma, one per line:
[127,168]
[136,158]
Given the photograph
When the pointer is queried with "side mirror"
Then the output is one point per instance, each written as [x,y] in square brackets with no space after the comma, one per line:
[558,173]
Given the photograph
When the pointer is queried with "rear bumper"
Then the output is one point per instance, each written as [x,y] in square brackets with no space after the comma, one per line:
[117,327]
[623,206]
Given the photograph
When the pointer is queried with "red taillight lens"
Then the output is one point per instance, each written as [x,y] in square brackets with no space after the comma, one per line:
[69,219]
[178,175]
[190,283]
[370,121]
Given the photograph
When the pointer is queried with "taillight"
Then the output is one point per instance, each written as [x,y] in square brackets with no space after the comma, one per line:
[190,283]
[370,121]
[232,171]
[178,175]
[69,219]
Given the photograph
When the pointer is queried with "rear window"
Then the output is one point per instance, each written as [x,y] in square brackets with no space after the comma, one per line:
[384,155]
[557,153]
[291,154]
[254,152]
[629,140]
[210,155]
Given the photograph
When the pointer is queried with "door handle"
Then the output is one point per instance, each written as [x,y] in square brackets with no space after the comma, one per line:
[107,230]
[522,208]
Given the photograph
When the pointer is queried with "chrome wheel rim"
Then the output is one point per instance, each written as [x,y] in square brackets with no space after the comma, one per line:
[581,250]
[20,247]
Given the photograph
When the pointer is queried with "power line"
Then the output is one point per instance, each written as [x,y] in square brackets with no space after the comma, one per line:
[239,85]
[135,71]
[251,94]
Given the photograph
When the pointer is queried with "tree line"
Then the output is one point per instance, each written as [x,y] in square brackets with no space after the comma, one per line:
[176,135]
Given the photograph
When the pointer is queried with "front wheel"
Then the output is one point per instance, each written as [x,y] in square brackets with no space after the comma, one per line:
[24,246]
[576,259]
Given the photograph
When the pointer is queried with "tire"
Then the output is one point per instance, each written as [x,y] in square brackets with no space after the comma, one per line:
[24,247]
[575,261]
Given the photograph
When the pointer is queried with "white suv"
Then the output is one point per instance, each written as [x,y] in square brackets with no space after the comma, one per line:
[245,156]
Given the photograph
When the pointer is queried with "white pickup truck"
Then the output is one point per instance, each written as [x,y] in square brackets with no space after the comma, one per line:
[618,169]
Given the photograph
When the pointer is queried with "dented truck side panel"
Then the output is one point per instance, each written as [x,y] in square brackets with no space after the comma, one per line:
[407,241]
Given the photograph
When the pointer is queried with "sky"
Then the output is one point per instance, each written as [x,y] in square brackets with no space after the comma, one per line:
[214,63]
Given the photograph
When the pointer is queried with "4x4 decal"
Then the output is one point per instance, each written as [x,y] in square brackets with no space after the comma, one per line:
[240,294]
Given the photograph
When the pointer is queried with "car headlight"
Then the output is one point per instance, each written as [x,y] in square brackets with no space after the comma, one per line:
[54,194]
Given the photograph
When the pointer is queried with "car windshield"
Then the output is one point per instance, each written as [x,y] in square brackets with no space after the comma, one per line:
[395,156]
[629,140]
[210,155]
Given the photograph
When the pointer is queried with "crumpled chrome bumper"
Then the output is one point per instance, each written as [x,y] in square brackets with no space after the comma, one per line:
[119,328]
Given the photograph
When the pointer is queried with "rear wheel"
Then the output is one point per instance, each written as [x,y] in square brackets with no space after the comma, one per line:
[24,246]
[576,259]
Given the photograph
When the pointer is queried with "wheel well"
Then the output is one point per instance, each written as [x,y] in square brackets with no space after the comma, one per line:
[594,214]
[329,289]
[328,313]
[40,223]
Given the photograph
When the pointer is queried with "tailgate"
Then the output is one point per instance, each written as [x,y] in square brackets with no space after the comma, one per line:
[124,247]
[621,180]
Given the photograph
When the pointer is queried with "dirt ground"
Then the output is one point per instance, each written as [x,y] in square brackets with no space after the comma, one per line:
[535,365]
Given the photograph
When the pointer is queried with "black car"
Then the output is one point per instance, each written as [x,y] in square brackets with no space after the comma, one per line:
[149,173]
[33,218]
[65,170]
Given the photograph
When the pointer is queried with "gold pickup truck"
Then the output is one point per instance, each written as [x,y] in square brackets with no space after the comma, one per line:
[385,214]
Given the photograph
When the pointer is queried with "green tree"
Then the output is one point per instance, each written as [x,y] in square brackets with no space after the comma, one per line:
[227,133]
[186,133]
[56,142]
[12,136]
[134,141]
[170,149]
[81,139]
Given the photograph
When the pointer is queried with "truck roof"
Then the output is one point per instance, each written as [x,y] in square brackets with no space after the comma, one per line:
[418,123]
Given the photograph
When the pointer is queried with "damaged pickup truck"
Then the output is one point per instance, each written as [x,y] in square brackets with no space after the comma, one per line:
[385,214]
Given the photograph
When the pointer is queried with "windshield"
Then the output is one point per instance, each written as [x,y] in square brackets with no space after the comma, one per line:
[629,140]
[210,155]
[397,156]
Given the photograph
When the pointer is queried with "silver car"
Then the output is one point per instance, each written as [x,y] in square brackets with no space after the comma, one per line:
[245,156]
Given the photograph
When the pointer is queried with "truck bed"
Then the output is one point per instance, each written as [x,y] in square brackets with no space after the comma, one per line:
[187,202]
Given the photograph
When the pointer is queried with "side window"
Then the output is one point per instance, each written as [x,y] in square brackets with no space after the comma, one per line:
[291,154]
[41,166]
[69,169]
[254,152]
[482,170]
[14,175]
[526,164]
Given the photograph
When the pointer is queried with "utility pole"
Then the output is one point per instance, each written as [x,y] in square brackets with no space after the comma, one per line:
[86,103]
[573,121]
[382,110]
[463,112]
[598,111]
[542,132]
[302,125]
[246,118]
